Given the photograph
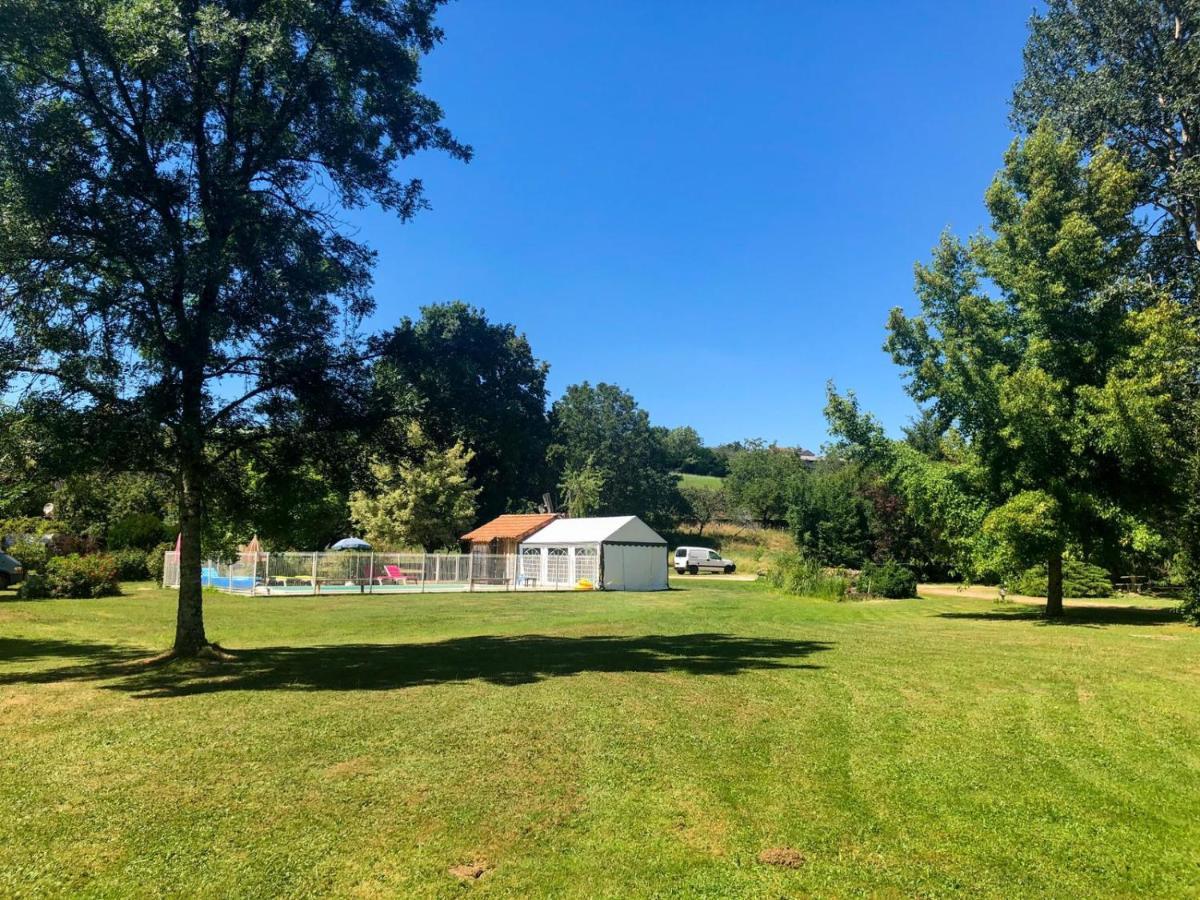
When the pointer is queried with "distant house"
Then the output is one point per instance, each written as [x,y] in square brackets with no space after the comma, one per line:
[807,456]
[504,534]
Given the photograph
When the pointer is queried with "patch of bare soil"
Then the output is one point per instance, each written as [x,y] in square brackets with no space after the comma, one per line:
[782,856]
[471,871]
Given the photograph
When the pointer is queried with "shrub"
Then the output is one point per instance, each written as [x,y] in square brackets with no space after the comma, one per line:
[34,587]
[71,544]
[32,555]
[131,565]
[797,574]
[82,576]
[1189,607]
[154,561]
[138,531]
[22,525]
[1080,579]
[889,579]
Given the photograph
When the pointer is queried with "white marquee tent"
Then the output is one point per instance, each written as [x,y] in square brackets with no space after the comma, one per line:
[617,553]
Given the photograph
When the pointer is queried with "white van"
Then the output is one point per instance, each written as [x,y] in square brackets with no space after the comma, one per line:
[700,559]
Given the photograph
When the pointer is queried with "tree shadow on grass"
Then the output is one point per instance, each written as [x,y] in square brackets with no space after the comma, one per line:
[506,661]
[30,649]
[1088,616]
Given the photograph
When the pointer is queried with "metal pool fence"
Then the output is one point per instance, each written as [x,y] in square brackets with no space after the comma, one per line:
[336,572]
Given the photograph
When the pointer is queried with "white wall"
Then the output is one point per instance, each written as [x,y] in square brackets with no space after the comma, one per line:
[635,568]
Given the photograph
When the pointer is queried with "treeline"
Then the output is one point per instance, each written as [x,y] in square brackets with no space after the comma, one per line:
[179,302]
[1055,356]
[451,425]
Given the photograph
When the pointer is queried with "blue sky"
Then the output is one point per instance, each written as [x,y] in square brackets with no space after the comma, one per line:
[713,205]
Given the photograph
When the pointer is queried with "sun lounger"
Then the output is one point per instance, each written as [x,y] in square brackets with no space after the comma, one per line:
[397,575]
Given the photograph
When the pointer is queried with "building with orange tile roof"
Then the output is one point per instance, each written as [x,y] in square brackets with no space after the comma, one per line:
[504,533]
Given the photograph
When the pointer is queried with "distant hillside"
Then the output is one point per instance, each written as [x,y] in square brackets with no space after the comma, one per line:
[712,482]
[752,548]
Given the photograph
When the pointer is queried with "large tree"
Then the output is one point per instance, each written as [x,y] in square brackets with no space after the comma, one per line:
[762,480]
[467,379]
[170,259]
[1056,368]
[686,452]
[603,430]
[1126,73]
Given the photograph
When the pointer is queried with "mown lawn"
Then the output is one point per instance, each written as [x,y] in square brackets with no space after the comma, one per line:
[593,745]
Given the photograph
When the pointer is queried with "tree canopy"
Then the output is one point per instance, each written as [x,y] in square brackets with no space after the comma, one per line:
[467,379]
[761,481]
[427,501]
[1123,73]
[601,428]
[1042,375]
[686,452]
[169,177]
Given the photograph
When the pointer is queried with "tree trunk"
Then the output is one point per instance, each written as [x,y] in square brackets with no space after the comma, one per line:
[1054,586]
[190,638]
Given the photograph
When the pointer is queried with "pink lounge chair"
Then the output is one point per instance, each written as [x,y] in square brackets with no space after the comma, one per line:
[396,575]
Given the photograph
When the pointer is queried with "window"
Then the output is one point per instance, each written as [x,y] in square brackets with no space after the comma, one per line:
[713,554]
[681,551]
[556,564]
[586,568]
[531,563]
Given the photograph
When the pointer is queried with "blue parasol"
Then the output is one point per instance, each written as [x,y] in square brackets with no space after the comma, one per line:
[351,544]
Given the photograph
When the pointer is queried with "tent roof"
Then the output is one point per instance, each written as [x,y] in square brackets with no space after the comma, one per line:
[510,526]
[628,529]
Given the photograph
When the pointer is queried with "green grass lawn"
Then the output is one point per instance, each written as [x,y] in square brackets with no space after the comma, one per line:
[712,482]
[593,745]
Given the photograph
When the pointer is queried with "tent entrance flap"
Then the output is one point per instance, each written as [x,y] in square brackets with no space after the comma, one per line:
[634,566]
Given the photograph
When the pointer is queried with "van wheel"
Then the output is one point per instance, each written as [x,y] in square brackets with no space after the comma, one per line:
[693,570]
[679,571]
[729,570]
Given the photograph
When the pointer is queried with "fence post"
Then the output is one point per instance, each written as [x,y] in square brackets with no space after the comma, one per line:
[371,572]
[315,586]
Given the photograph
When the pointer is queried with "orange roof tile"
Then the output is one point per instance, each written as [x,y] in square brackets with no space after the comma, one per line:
[511,526]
